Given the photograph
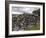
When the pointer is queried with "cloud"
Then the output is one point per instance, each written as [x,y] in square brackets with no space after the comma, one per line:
[21,10]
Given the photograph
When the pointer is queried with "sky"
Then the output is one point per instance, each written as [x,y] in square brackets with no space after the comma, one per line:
[21,10]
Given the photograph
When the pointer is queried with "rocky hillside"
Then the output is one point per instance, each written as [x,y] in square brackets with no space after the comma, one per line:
[25,21]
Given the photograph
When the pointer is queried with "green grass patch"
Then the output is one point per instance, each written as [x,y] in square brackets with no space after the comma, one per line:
[34,27]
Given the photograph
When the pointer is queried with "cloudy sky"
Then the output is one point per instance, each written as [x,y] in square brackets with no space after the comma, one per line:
[21,10]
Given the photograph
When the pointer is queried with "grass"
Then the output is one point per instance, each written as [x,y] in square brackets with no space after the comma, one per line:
[37,27]
[34,27]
